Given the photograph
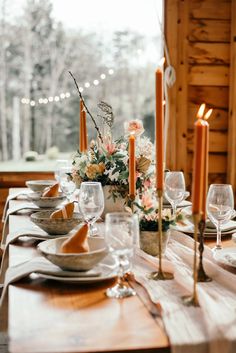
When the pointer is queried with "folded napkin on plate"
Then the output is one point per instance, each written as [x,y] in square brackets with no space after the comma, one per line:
[11,211]
[38,265]
[208,328]
[12,238]
[19,195]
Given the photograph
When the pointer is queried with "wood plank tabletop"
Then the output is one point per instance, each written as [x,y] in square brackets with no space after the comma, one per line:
[48,316]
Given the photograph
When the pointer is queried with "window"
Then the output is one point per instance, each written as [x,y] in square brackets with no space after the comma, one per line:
[112,48]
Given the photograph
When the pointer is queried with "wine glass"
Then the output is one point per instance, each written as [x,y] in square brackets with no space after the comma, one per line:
[220,207]
[60,163]
[91,202]
[121,233]
[66,183]
[175,189]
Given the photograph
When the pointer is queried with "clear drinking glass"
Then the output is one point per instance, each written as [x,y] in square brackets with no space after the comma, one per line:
[91,202]
[175,189]
[121,233]
[67,185]
[60,163]
[220,207]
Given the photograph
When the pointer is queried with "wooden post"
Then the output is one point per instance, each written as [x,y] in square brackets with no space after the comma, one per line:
[171,19]
[231,163]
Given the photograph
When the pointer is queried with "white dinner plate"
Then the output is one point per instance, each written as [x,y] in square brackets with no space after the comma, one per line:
[226,256]
[107,269]
[182,204]
[209,232]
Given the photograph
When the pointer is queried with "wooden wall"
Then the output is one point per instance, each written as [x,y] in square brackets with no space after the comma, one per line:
[201,39]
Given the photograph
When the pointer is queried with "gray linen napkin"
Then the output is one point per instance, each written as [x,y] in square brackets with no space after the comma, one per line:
[11,211]
[12,238]
[19,195]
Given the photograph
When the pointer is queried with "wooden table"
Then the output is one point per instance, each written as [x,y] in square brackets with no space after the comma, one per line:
[47,316]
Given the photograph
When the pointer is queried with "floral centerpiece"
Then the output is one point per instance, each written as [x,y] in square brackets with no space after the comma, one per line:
[147,209]
[107,162]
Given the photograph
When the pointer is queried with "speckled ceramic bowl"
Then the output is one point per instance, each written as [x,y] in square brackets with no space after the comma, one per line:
[45,202]
[55,226]
[39,185]
[75,262]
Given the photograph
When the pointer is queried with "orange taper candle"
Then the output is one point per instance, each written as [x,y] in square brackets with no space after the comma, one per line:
[198,165]
[132,166]
[81,128]
[85,136]
[205,172]
[206,153]
[159,131]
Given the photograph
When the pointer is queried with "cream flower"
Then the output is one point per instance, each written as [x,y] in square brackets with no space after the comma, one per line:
[134,126]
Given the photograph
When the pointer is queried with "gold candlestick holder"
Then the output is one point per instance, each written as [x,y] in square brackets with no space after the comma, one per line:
[193,299]
[131,202]
[160,275]
[201,275]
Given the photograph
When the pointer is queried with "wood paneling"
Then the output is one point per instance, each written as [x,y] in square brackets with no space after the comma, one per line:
[217,121]
[182,85]
[210,9]
[204,51]
[171,35]
[208,53]
[232,102]
[217,163]
[208,75]
[218,141]
[214,97]
[209,31]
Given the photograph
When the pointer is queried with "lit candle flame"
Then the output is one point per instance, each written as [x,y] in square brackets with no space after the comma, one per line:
[201,111]
[208,114]
[162,61]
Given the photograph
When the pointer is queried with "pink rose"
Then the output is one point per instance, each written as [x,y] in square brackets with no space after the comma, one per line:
[134,126]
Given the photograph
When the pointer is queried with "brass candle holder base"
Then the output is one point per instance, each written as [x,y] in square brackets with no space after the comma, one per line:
[193,299]
[201,275]
[131,202]
[160,275]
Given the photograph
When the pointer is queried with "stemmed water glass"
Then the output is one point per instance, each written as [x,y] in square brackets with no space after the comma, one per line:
[60,163]
[66,183]
[220,207]
[91,202]
[121,233]
[175,189]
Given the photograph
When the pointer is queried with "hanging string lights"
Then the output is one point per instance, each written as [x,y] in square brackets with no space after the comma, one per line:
[64,95]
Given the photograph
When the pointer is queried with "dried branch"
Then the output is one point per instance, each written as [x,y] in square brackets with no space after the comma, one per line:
[86,108]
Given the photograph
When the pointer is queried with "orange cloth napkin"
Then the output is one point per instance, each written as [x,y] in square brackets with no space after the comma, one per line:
[51,191]
[65,212]
[76,243]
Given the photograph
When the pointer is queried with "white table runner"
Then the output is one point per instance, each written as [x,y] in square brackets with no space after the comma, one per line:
[208,328]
